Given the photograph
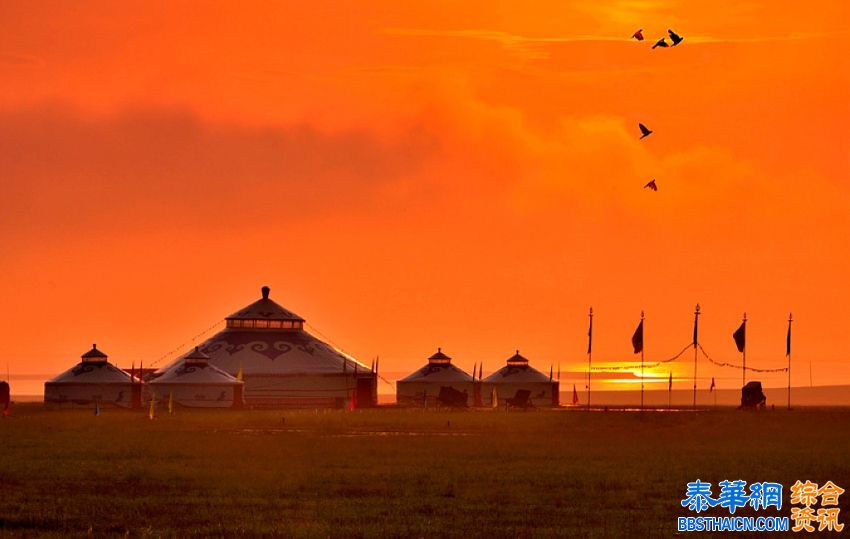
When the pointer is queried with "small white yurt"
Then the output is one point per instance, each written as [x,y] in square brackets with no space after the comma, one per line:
[422,387]
[518,375]
[195,383]
[94,380]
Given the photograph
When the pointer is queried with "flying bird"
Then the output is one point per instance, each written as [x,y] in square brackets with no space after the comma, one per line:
[638,35]
[674,37]
[651,185]
[645,132]
[660,43]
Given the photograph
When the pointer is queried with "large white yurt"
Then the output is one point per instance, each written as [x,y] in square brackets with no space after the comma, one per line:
[94,380]
[282,365]
[422,387]
[518,375]
[195,383]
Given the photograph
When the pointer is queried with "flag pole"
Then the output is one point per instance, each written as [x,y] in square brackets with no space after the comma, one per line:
[696,329]
[589,353]
[641,362]
[788,353]
[745,351]
[670,391]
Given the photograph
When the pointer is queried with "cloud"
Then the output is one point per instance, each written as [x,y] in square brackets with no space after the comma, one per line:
[697,39]
[20,60]
[156,167]
[525,46]
[537,47]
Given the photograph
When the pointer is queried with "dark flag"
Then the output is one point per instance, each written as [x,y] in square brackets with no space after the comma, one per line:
[788,339]
[740,336]
[670,383]
[637,339]
[590,333]
[710,389]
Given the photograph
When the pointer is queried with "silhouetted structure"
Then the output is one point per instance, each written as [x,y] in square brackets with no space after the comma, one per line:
[450,397]
[520,400]
[752,396]
[5,397]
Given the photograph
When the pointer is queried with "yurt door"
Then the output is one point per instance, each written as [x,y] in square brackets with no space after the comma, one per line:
[365,397]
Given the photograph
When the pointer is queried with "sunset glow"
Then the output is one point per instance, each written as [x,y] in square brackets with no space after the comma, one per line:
[412,175]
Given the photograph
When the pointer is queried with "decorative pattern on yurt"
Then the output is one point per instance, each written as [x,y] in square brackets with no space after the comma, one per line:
[518,376]
[283,365]
[94,381]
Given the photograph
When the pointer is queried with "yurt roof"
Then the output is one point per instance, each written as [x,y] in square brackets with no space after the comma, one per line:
[196,357]
[517,360]
[93,373]
[94,354]
[265,309]
[188,373]
[438,369]
[275,352]
[439,357]
[437,374]
[272,351]
[517,370]
[194,368]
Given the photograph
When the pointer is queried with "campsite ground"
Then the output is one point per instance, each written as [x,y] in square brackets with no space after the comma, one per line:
[395,472]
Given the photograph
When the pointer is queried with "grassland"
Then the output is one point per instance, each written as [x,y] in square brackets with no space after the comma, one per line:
[394,472]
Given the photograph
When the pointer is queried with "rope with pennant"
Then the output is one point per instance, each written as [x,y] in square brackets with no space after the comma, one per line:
[645,365]
[188,343]
[677,356]
[327,339]
[734,366]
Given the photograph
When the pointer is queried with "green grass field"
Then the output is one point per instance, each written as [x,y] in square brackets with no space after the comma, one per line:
[394,472]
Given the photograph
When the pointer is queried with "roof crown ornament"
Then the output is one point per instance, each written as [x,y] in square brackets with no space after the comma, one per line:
[94,355]
[439,358]
[265,314]
[196,357]
[517,360]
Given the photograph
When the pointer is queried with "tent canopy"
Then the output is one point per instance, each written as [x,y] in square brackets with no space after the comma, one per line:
[517,370]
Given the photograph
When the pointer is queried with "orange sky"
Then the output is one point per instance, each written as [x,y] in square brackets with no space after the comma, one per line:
[442,174]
